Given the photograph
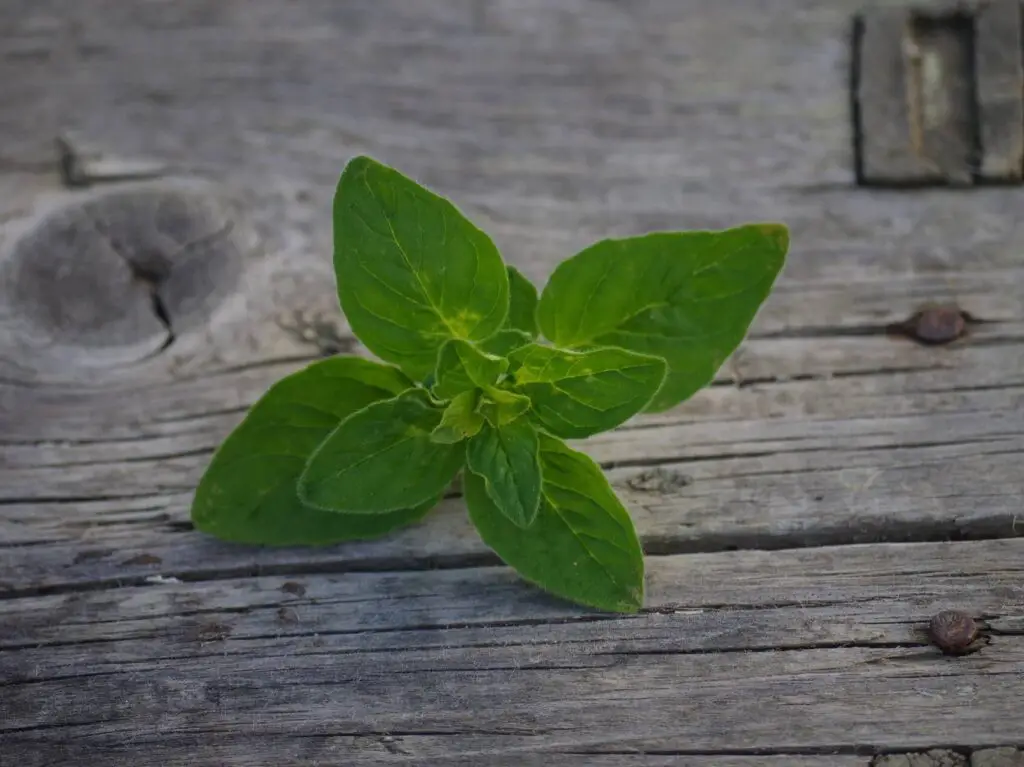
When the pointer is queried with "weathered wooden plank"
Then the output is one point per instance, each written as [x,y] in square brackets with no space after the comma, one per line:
[564,147]
[908,580]
[53,417]
[937,93]
[899,430]
[176,462]
[592,171]
[229,750]
[442,662]
[913,98]
[768,378]
[770,465]
[552,125]
[999,44]
[885,140]
[865,289]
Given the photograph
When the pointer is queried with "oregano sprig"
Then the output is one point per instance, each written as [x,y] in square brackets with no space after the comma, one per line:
[482,376]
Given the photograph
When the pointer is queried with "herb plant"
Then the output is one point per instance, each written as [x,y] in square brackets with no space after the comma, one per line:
[482,376]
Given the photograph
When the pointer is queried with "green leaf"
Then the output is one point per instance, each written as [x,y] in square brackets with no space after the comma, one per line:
[412,271]
[688,297]
[507,460]
[522,310]
[582,546]
[381,458]
[577,394]
[248,491]
[504,342]
[461,366]
[500,406]
[460,420]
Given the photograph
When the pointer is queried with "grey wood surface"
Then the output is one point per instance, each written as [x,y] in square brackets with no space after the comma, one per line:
[864,480]
[999,39]
[823,646]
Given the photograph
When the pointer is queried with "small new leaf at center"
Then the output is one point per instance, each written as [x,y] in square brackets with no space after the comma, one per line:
[382,458]
[507,460]
[500,406]
[461,419]
[461,366]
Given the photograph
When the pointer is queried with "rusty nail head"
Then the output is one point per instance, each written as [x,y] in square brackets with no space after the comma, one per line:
[937,325]
[956,633]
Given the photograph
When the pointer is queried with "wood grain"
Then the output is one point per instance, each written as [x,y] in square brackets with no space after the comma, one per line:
[924,455]
[629,122]
[999,29]
[472,660]
[551,125]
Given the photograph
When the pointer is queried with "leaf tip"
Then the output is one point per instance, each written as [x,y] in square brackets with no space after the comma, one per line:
[778,233]
[630,601]
[360,161]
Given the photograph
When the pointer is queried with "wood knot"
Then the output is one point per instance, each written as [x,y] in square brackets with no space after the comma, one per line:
[110,278]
